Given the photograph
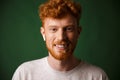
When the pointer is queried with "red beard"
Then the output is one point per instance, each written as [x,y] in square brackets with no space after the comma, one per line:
[61,54]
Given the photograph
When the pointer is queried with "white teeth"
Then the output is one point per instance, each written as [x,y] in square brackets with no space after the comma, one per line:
[61,46]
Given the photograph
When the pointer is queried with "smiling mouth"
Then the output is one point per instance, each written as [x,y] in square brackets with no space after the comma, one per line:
[61,46]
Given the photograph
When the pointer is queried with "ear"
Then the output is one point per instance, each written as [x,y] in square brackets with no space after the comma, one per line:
[79,30]
[42,30]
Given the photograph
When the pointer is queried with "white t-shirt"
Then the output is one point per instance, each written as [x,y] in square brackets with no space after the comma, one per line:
[41,70]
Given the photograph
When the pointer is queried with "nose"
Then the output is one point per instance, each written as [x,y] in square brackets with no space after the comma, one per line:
[61,35]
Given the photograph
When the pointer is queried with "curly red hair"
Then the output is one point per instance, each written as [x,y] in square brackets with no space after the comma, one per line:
[59,9]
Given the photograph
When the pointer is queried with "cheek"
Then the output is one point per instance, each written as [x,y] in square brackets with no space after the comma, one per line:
[72,37]
[49,39]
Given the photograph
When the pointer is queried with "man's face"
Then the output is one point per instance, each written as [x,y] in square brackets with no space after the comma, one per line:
[61,36]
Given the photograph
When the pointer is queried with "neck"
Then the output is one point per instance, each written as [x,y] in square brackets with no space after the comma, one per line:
[63,65]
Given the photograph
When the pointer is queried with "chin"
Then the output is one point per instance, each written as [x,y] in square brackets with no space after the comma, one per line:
[61,56]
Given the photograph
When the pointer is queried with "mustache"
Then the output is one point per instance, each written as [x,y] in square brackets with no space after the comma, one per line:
[62,42]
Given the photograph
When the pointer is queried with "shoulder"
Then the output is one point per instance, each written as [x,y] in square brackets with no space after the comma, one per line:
[92,70]
[28,68]
[32,65]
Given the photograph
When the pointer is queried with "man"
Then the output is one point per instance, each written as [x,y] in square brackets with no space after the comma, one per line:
[60,30]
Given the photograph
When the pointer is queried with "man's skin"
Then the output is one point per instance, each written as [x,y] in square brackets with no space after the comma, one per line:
[61,36]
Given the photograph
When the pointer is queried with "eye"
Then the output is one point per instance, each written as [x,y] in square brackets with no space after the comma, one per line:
[70,29]
[53,29]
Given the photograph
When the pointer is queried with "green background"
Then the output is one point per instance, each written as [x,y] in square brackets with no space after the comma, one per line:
[20,39]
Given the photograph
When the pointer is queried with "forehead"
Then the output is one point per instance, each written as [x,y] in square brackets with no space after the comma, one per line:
[67,20]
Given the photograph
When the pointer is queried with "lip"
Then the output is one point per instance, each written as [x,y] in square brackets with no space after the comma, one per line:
[61,46]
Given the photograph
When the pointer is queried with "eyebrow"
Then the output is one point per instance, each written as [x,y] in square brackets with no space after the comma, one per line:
[52,26]
[69,24]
